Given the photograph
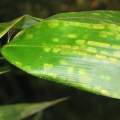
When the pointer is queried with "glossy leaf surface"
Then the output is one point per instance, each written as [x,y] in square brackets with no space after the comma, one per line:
[80,50]
[21,111]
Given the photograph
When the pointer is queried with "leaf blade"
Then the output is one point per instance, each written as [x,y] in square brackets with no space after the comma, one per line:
[77,54]
[21,111]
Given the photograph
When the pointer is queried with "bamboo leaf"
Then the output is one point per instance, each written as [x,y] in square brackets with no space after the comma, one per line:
[4,70]
[21,111]
[79,49]
[19,23]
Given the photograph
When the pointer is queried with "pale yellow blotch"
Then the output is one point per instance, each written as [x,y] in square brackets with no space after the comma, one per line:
[84,75]
[53,24]
[116,54]
[72,36]
[63,62]
[27,68]
[55,40]
[112,26]
[113,60]
[93,43]
[115,30]
[101,90]
[98,14]
[90,26]
[104,44]
[104,92]
[98,26]
[47,49]
[48,66]
[76,24]
[92,49]
[53,75]
[103,57]
[105,34]
[82,53]
[75,47]
[70,69]
[104,52]
[66,47]
[83,72]
[85,25]
[80,42]
[56,50]
[116,46]
[18,63]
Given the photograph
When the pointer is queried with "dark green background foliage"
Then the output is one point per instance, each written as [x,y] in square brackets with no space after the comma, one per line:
[19,87]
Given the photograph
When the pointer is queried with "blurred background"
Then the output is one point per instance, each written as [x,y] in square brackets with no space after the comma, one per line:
[10,9]
[17,86]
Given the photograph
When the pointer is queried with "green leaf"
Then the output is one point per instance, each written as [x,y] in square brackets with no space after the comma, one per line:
[21,111]
[19,23]
[99,16]
[78,51]
[4,70]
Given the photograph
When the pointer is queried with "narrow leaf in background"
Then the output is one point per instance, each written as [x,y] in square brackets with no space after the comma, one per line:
[19,23]
[21,111]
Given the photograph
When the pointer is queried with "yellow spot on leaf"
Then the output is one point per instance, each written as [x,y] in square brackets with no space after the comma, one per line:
[116,54]
[27,68]
[48,66]
[98,26]
[92,49]
[116,46]
[101,90]
[80,42]
[93,43]
[56,50]
[83,72]
[113,60]
[63,62]
[53,75]
[104,92]
[53,24]
[55,40]
[103,57]
[66,47]
[96,13]
[106,34]
[75,47]
[47,49]
[70,69]
[72,36]
[18,63]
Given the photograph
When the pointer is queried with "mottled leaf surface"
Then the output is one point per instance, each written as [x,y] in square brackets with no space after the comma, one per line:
[21,111]
[79,49]
[90,17]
